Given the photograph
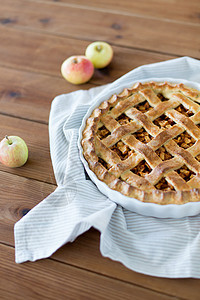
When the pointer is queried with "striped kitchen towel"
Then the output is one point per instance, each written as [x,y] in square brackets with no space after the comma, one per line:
[158,247]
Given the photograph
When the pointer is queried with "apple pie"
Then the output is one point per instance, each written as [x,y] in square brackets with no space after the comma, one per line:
[145,143]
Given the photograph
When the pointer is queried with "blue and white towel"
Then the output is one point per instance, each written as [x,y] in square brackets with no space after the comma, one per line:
[158,247]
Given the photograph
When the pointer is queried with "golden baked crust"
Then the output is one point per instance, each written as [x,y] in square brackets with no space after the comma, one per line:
[145,143]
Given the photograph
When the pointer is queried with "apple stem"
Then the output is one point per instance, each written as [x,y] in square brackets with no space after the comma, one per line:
[99,48]
[75,61]
[9,141]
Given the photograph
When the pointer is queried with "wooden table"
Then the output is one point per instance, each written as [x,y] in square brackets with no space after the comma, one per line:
[36,36]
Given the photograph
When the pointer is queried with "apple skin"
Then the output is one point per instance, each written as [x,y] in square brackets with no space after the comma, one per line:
[13,152]
[100,54]
[77,69]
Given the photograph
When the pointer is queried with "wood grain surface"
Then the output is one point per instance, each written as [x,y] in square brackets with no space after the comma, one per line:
[157,35]
[178,11]
[36,36]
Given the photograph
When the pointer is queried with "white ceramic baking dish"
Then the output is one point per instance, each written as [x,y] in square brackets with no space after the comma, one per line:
[147,209]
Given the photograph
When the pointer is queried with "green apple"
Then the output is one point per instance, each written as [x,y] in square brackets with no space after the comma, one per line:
[13,151]
[100,54]
[77,69]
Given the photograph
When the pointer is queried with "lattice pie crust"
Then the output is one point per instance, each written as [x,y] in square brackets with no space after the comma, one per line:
[144,143]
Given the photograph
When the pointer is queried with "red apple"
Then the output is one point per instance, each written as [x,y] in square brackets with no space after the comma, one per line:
[13,151]
[77,69]
[100,54]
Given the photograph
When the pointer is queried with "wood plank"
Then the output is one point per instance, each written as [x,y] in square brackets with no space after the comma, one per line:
[46,54]
[48,279]
[186,12]
[35,135]
[18,195]
[163,36]
[28,95]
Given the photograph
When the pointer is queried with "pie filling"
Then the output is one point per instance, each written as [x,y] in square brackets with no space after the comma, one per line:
[198,157]
[123,119]
[122,150]
[164,185]
[163,122]
[142,169]
[188,113]
[104,163]
[102,132]
[185,173]
[163,153]
[143,107]
[143,136]
[184,140]
[162,97]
